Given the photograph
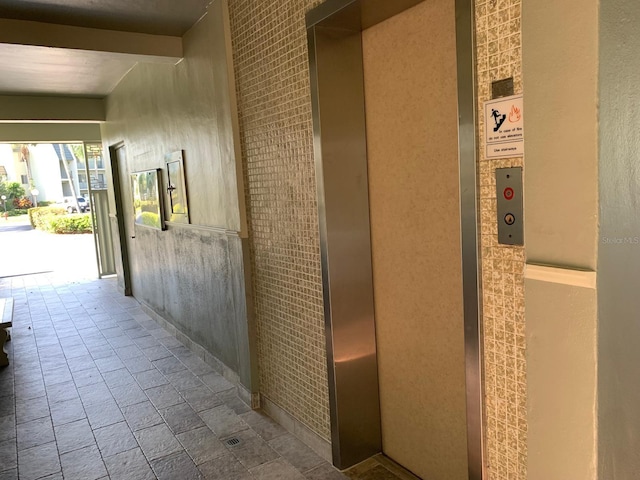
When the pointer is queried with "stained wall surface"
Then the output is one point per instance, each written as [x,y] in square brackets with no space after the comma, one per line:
[619,241]
[192,276]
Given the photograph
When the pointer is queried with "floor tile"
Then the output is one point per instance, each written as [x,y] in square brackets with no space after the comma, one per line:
[147,342]
[196,365]
[157,442]
[32,409]
[129,465]
[114,439]
[263,425]
[150,378]
[66,412]
[8,454]
[89,376]
[62,392]
[235,403]
[85,464]
[118,378]
[223,421]
[170,342]
[57,375]
[10,474]
[216,382]
[78,364]
[94,394]
[181,418]
[38,461]
[142,415]
[324,472]
[7,404]
[296,452]
[376,473]
[176,466]
[276,470]
[251,450]
[34,433]
[184,381]
[202,444]
[201,398]
[164,396]
[126,395]
[156,352]
[139,364]
[169,365]
[131,351]
[122,341]
[103,414]
[74,435]
[226,467]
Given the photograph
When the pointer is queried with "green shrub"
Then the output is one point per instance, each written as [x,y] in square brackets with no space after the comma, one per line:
[17,212]
[22,203]
[45,203]
[151,219]
[38,215]
[79,223]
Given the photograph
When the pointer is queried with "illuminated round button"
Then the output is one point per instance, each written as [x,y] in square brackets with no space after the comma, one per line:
[508,193]
[509,219]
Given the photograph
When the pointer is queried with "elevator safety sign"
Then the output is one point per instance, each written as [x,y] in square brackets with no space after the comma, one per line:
[504,127]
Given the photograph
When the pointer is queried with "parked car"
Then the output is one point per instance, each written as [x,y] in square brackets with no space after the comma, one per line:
[70,206]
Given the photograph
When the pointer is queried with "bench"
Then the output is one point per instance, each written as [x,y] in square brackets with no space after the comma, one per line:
[6,317]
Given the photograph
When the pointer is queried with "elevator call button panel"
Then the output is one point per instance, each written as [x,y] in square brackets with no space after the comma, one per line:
[510,212]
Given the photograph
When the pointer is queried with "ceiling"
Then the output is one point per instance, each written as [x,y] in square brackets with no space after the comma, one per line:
[42,70]
[160,17]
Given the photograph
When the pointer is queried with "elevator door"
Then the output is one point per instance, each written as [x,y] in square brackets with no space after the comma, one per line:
[412,143]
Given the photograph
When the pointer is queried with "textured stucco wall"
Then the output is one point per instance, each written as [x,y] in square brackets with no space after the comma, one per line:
[193,276]
[619,248]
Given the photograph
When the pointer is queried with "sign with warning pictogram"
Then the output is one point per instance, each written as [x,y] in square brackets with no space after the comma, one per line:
[504,127]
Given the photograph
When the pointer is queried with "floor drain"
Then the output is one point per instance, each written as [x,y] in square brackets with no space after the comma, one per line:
[232,442]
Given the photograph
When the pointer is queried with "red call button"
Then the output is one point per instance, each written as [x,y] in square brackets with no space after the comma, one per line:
[508,193]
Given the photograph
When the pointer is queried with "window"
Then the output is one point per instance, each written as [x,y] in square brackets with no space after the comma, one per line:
[24,180]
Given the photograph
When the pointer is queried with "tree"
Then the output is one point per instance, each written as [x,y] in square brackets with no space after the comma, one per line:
[12,189]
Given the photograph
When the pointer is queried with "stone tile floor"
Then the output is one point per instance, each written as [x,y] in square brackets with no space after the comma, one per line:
[96,389]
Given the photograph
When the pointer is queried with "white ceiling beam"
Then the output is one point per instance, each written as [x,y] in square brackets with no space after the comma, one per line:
[162,48]
[25,108]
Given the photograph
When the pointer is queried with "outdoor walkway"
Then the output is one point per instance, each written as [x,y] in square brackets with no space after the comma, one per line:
[96,389]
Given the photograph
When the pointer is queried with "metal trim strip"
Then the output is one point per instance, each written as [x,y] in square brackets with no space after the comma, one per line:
[471,275]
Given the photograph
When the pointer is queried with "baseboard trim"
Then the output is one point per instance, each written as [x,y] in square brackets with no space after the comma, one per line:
[314,441]
[251,399]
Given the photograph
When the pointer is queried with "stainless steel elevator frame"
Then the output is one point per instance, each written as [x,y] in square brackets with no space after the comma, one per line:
[334,31]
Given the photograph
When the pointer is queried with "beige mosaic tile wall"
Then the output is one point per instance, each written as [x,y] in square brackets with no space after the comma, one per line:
[498,35]
[271,65]
[270,60]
